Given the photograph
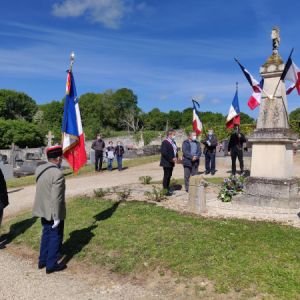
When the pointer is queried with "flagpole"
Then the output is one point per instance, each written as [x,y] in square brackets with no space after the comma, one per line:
[281,75]
[285,109]
[262,89]
[72,59]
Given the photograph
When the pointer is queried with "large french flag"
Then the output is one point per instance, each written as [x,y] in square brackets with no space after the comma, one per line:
[197,124]
[72,132]
[257,87]
[292,73]
[233,117]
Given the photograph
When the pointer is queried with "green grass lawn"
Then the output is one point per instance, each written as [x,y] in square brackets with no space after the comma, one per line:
[133,237]
[28,180]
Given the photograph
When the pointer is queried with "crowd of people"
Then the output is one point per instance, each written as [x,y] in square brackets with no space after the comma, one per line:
[49,204]
[191,153]
[110,152]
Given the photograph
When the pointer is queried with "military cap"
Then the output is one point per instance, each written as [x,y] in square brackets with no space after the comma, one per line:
[54,151]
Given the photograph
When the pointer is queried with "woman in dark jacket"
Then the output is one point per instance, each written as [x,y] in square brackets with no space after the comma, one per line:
[3,195]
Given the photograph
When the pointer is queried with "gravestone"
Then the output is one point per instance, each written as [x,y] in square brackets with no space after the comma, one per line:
[49,137]
[271,181]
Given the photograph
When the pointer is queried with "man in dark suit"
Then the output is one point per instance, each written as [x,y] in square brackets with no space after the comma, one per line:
[169,156]
[3,195]
[235,147]
[98,146]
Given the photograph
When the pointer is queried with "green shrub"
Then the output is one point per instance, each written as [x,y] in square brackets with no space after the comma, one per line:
[145,179]
[100,193]
[157,194]
[124,194]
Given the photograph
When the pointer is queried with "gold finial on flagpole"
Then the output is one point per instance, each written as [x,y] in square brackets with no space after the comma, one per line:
[72,58]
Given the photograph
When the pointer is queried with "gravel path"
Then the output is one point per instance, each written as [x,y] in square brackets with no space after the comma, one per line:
[19,279]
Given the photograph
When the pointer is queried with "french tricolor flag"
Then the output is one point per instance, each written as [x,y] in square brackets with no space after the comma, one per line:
[73,136]
[233,117]
[255,98]
[257,87]
[292,73]
[197,124]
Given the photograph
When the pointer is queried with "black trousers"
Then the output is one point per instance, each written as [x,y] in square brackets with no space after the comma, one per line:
[167,177]
[236,153]
[98,160]
[210,162]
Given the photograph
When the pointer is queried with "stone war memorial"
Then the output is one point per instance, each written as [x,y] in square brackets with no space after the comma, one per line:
[271,181]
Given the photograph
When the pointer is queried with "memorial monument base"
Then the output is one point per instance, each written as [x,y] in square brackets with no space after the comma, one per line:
[270,192]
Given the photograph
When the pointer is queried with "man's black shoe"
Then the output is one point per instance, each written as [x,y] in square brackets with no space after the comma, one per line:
[168,194]
[58,268]
[41,266]
[213,173]
[206,172]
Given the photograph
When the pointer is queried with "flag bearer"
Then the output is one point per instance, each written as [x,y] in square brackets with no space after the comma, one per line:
[50,206]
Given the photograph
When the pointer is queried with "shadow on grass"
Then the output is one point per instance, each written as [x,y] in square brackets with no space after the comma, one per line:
[81,238]
[106,214]
[77,241]
[15,230]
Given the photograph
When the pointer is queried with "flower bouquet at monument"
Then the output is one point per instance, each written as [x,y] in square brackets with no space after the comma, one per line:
[231,186]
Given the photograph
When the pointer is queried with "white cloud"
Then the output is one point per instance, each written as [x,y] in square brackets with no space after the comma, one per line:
[107,12]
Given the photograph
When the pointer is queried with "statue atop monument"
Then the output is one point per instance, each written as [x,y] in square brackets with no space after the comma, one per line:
[275,39]
[275,58]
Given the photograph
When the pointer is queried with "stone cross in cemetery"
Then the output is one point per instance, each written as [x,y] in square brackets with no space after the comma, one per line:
[271,181]
[49,137]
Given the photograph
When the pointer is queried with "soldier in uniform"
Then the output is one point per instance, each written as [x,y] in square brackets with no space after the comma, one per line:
[50,206]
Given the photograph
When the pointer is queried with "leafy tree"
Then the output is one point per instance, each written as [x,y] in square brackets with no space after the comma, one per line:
[124,103]
[16,106]
[187,117]
[155,120]
[174,118]
[49,117]
[246,119]
[295,115]
[20,132]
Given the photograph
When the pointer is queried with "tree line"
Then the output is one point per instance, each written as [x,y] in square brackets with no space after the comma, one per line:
[26,123]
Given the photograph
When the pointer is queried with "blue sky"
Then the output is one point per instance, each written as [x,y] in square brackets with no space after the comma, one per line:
[167,51]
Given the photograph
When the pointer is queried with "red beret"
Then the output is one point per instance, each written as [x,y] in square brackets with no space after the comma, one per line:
[54,151]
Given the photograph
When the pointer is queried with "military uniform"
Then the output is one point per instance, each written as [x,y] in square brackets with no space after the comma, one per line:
[50,206]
